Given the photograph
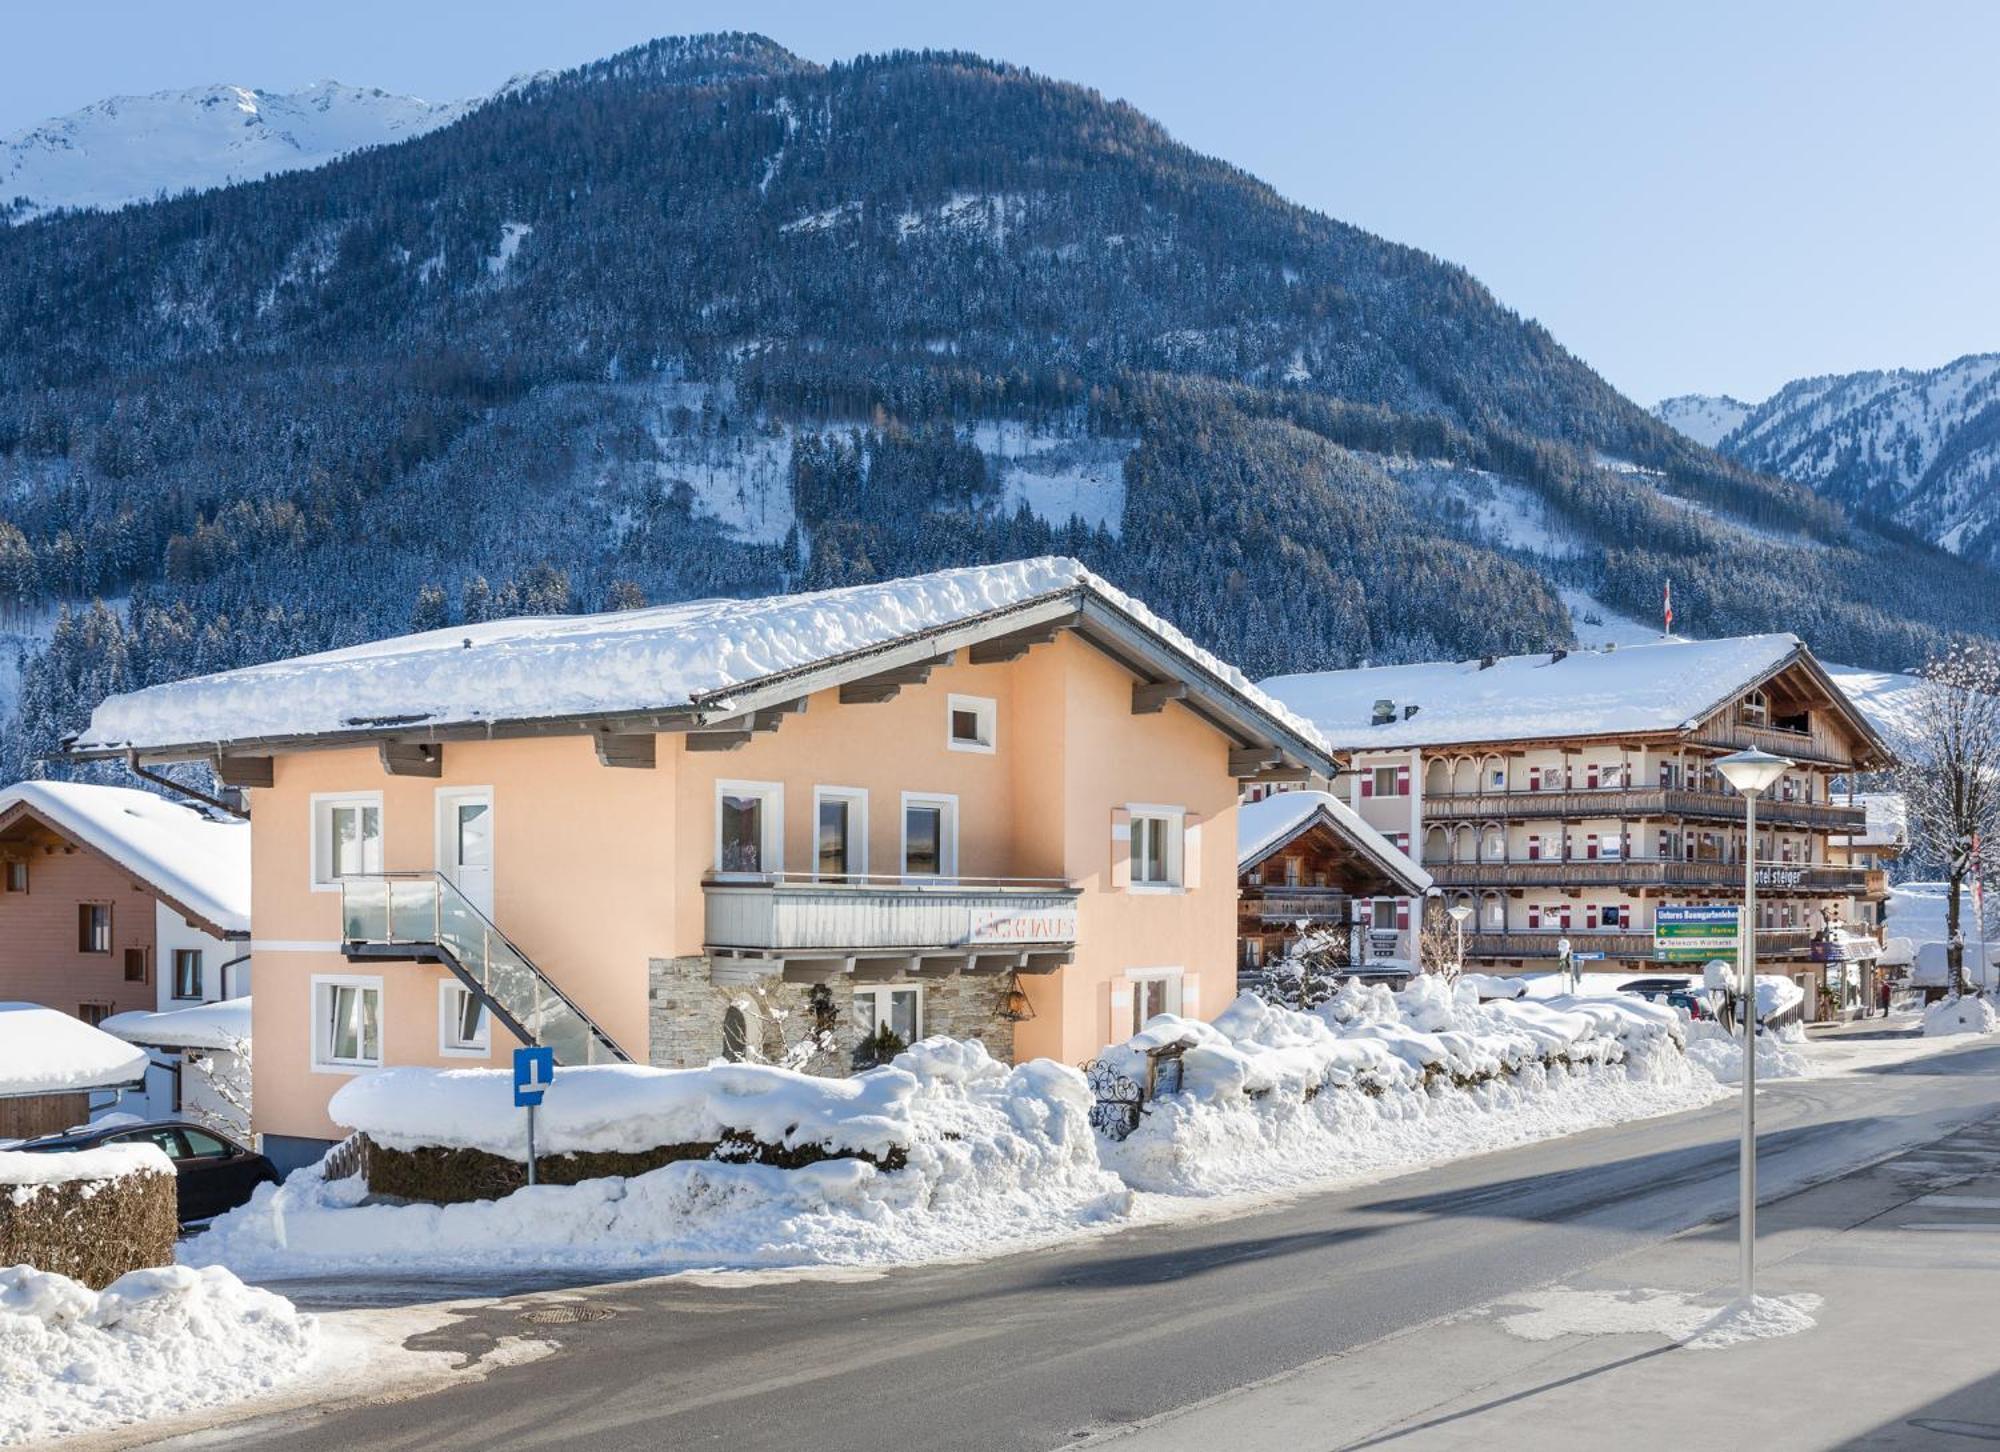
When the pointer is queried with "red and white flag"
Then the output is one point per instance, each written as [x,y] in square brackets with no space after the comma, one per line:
[1670,607]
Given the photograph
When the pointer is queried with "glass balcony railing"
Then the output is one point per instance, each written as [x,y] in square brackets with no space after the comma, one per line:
[397,910]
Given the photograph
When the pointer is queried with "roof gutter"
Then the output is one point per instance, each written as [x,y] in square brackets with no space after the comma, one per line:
[133,765]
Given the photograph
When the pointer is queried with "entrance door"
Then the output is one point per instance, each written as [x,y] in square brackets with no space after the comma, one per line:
[465,844]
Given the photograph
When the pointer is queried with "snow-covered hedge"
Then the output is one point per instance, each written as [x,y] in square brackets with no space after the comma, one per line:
[993,1156]
[1373,1079]
[152,1343]
[92,1215]
[1970,1014]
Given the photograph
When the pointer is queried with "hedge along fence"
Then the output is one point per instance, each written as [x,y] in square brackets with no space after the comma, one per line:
[440,1176]
[92,1215]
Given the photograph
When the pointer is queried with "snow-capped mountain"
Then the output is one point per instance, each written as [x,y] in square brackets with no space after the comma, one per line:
[1704,417]
[1919,447]
[135,148]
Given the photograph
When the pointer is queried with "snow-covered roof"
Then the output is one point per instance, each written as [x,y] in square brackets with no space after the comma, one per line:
[1663,686]
[1262,825]
[46,1052]
[220,1025]
[199,865]
[705,658]
[1888,821]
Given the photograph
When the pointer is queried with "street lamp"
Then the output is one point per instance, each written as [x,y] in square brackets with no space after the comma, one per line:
[1751,773]
[1459,913]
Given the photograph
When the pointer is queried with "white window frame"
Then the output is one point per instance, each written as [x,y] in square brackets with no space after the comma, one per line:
[320,821]
[1395,778]
[772,849]
[1176,980]
[857,827]
[882,994]
[449,1044]
[948,833]
[1176,835]
[452,796]
[986,710]
[322,1058]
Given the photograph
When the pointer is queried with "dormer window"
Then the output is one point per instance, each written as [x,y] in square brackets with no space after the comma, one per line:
[1756,710]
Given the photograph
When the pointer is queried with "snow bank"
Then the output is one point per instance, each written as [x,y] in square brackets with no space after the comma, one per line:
[220,1025]
[43,1051]
[1374,1080]
[998,1157]
[25,1173]
[629,1107]
[152,1343]
[1969,1015]
[1720,1052]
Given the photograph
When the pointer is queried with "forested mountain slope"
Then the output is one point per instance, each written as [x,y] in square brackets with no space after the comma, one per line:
[704,318]
[1921,447]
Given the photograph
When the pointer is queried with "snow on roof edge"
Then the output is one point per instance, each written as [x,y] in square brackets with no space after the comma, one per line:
[1398,863]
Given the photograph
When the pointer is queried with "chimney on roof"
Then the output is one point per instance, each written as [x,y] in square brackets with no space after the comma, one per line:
[1486,662]
[1408,712]
[1556,655]
[1385,712]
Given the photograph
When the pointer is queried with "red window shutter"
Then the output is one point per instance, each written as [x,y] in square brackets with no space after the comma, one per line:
[1367,783]
[1402,912]
[1534,778]
[1590,918]
[1402,781]
[1590,846]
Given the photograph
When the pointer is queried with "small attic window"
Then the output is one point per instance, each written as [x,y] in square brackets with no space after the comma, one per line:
[1756,711]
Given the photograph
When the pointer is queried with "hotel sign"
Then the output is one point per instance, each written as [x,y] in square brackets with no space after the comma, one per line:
[1694,934]
[1036,923]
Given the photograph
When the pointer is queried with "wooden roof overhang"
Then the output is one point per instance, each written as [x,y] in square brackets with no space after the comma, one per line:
[41,826]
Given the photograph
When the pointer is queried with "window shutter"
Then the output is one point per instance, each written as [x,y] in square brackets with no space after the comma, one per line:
[1367,783]
[1191,852]
[1402,781]
[1402,912]
[1121,849]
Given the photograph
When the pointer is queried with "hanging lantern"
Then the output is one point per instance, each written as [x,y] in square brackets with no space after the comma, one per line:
[1014,1006]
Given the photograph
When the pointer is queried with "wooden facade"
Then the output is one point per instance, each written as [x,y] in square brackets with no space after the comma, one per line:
[48,953]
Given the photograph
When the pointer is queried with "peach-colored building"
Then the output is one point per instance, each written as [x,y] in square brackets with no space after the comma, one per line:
[995,802]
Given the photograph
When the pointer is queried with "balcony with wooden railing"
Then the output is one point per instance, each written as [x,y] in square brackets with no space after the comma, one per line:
[1276,902]
[1823,879]
[1617,802]
[1528,943]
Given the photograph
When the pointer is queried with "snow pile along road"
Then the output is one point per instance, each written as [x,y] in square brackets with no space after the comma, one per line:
[151,1344]
[1970,1014]
[1779,1052]
[997,1157]
[1374,1081]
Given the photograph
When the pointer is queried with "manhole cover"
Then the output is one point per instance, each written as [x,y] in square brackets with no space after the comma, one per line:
[564,1315]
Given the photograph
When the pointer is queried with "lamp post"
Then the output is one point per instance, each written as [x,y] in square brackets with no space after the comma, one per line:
[1751,773]
[1459,913]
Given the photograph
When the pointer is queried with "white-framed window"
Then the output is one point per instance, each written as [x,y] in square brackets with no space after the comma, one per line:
[749,828]
[1154,991]
[465,1028]
[1157,836]
[971,723]
[346,837]
[840,833]
[900,1007]
[346,1022]
[930,835]
[1385,781]
[187,973]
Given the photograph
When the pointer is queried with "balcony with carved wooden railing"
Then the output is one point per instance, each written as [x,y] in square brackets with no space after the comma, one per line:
[1529,943]
[1821,879]
[1275,902]
[1619,802]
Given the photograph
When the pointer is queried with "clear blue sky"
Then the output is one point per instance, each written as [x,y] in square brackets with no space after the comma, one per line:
[1692,196]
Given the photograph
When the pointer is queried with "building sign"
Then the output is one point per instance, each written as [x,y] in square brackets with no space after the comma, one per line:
[1694,934]
[1780,876]
[1041,923]
[1384,943]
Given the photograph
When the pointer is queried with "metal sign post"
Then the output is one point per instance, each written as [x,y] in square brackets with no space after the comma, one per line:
[534,1073]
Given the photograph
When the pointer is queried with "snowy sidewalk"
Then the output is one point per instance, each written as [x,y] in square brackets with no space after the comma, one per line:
[1904,1257]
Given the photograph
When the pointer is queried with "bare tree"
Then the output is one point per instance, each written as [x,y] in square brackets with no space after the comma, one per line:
[1437,941]
[225,1072]
[1950,775]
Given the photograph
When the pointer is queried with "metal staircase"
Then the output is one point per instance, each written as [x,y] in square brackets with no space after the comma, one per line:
[423,917]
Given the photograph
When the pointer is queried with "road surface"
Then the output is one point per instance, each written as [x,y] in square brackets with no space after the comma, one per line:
[1041,1349]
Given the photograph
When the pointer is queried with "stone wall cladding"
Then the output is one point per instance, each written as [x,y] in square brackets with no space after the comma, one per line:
[686,1014]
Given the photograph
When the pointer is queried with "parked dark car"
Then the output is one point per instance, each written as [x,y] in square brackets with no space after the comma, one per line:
[1686,1000]
[214,1173]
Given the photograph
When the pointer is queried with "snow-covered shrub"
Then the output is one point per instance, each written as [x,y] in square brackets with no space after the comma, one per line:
[93,1215]
[993,1156]
[1960,1014]
[1720,1051]
[1371,1079]
[150,1344]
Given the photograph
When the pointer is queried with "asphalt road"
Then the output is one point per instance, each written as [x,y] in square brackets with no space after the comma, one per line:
[1036,1350]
